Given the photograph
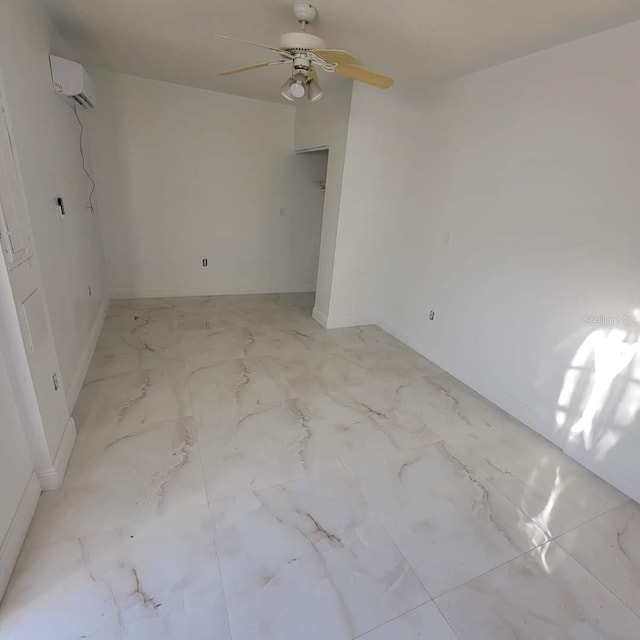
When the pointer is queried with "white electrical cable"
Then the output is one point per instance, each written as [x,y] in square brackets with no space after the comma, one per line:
[316,59]
[84,164]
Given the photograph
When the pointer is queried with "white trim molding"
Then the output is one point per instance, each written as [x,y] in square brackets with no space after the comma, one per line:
[73,389]
[12,543]
[128,294]
[339,322]
[319,317]
[51,477]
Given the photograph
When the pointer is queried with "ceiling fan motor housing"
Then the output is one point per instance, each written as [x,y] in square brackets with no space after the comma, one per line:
[301,41]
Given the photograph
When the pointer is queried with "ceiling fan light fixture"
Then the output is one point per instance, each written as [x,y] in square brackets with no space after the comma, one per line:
[298,86]
[285,89]
[314,91]
[295,87]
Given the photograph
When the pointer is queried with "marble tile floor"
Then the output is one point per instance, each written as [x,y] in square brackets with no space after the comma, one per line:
[241,473]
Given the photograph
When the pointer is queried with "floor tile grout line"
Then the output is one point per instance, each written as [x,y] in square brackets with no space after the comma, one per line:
[213,535]
[602,584]
[498,566]
[593,575]
[547,542]
[395,544]
[437,606]
[211,518]
[373,513]
[591,519]
[382,624]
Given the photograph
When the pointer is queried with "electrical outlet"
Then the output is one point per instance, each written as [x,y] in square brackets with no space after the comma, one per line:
[432,315]
[282,211]
[205,262]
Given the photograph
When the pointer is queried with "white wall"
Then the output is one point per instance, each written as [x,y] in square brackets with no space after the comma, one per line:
[531,168]
[47,139]
[185,174]
[324,125]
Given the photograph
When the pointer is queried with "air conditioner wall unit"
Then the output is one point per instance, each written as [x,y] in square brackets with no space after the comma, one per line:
[72,81]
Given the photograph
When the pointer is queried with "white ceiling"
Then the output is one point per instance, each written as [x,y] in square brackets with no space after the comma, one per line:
[413,40]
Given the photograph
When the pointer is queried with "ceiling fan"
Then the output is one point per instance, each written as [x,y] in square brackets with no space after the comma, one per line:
[306,52]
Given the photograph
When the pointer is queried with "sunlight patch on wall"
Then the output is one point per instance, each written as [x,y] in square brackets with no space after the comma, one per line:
[590,380]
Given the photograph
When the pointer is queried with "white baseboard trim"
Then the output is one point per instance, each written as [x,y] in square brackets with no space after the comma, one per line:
[51,477]
[339,322]
[620,475]
[73,389]
[12,543]
[319,317]
[126,294]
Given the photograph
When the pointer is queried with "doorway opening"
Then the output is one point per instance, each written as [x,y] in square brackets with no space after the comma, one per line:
[312,168]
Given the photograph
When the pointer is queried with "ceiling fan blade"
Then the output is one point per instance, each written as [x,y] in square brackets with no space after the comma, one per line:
[250,67]
[255,44]
[363,75]
[336,56]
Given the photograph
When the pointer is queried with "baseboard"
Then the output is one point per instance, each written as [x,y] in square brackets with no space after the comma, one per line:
[12,543]
[621,474]
[339,322]
[73,389]
[319,317]
[51,477]
[126,294]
